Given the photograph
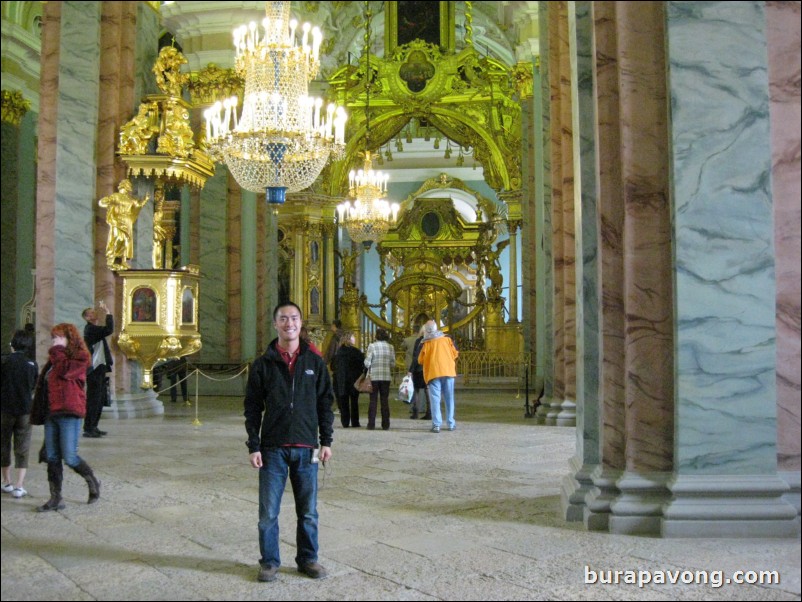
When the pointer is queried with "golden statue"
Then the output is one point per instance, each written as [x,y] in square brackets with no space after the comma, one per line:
[167,70]
[349,268]
[136,134]
[493,267]
[122,209]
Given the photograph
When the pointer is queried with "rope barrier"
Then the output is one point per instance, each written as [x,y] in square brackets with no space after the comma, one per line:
[198,373]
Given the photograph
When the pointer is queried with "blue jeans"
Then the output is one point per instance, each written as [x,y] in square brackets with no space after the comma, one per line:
[444,385]
[61,439]
[276,463]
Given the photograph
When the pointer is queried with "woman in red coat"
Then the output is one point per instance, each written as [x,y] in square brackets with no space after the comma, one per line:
[64,379]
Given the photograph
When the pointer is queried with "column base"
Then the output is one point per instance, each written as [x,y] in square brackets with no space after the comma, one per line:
[575,489]
[729,506]
[134,405]
[600,497]
[638,509]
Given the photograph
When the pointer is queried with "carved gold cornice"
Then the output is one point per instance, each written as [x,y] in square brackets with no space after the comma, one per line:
[469,98]
[213,83]
[14,107]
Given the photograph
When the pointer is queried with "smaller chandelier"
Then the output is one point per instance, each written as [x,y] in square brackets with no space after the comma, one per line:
[369,217]
[282,138]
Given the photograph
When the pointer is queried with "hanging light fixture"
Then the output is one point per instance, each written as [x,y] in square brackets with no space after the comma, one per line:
[369,216]
[282,138]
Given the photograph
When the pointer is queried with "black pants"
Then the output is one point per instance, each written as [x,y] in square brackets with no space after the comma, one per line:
[381,392]
[95,393]
[349,408]
[180,373]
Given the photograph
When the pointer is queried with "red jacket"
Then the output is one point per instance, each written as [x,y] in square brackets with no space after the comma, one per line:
[66,384]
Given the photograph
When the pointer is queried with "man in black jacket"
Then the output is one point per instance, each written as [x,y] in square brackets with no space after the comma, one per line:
[287,407]
[96,391]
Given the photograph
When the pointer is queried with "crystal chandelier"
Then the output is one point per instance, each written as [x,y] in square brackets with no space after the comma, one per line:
[282,138]
[369,217]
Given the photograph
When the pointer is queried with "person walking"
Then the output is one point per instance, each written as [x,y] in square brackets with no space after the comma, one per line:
[61,387]
[287,412]
[348,365]
[379,360]
[17,381]
[438,356]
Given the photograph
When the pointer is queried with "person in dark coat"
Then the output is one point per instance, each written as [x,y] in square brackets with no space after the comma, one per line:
[19,374]
[348,365]
[96,390]
[420,405]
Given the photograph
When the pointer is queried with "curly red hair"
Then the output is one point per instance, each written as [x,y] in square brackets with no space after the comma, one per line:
[74,339]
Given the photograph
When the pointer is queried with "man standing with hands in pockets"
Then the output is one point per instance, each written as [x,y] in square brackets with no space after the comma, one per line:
[287,408]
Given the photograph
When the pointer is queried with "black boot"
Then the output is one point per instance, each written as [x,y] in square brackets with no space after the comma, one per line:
[55,476]
[85,471]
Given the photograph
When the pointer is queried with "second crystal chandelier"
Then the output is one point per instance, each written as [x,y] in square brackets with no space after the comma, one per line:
[369,216]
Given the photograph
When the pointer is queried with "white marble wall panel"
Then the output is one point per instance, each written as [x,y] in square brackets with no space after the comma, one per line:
[726,415]
[213,266]
[75,159]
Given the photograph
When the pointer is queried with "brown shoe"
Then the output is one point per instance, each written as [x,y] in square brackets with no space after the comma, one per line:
[312,570]
[268,573]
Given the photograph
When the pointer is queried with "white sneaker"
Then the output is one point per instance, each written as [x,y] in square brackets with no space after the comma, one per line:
[8,488]
[19,492]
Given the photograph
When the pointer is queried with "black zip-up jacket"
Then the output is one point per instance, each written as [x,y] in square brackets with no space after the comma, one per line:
[283,410]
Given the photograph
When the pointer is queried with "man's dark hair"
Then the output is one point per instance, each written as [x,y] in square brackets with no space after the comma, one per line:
[382,334]
[286,304]
[21,341]
[338,323]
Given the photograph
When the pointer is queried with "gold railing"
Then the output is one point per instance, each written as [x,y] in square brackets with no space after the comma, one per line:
[487,368]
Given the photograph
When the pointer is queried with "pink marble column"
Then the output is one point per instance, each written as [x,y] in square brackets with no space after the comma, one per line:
[636,259]
[117,57]
[234,272]
[648,260]
[611,216]
[563,230]
[783,33]
[46,181]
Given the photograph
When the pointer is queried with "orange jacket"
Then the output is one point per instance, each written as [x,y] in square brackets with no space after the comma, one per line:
[439,358]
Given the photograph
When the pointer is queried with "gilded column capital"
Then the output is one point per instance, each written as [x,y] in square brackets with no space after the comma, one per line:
[523,80]
[15,105]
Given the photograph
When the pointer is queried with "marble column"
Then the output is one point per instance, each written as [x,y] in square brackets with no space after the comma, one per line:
[513,289]
[648,369]
[330,281]
[214,262]
[578,484]
[725,467]
[70,81]
[14,108]
[233,275]
[560,408]
[248,286]
[783,34]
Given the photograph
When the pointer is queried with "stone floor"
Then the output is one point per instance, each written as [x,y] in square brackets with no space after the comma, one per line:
[405,515]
